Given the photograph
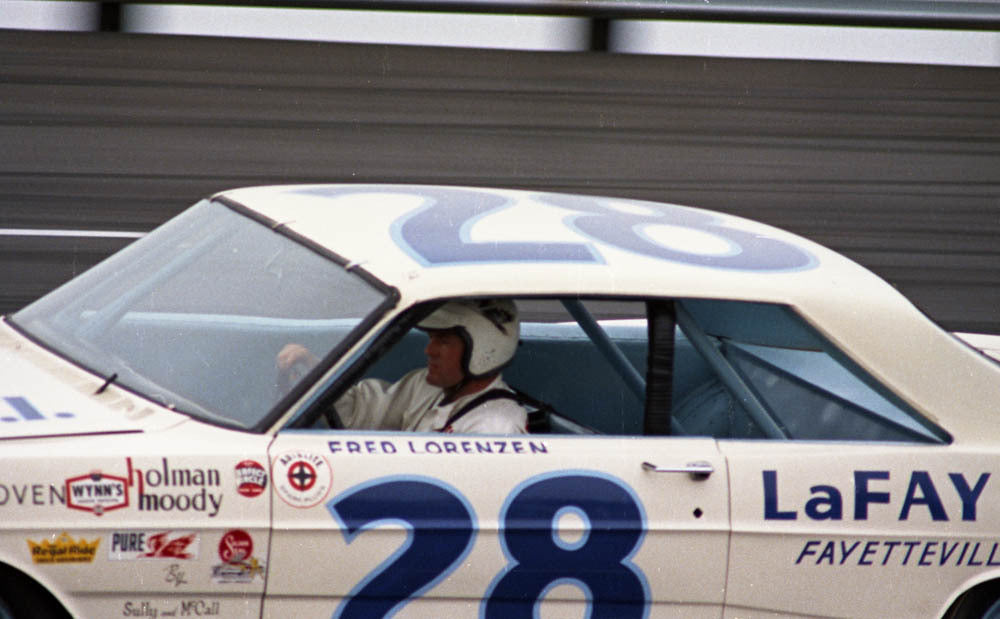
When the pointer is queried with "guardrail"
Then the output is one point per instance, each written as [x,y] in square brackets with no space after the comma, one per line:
[954,14]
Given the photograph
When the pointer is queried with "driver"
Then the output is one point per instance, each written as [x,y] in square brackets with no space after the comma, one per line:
[460,390]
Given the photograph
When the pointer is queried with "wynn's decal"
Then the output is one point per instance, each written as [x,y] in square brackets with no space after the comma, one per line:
[97,492]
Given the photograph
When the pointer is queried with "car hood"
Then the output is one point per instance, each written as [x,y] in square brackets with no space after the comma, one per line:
[42,395]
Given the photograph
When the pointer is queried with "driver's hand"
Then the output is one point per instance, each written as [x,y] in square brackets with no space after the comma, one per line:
[293,354]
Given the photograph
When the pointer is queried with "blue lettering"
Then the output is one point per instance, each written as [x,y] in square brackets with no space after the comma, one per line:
[832,504]
[930,498]
[771,511]
[929,551]
[969,496]
[827,554]
[868,551]
[24,408]
[484,447]
[807,550]
[845,551]
[946,553]
[992,552]
[975,551]
[862,496]
[888,553]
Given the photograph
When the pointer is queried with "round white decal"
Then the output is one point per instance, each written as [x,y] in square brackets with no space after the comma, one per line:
[301,478]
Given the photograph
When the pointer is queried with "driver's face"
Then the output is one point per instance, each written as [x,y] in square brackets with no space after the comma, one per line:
[444,358]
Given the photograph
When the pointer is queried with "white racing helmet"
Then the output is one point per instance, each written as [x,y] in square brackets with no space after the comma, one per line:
[490,329]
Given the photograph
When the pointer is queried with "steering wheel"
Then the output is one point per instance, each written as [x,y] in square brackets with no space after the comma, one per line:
[291,376]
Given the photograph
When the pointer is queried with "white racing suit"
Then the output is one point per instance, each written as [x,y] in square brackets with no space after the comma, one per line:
[412,404]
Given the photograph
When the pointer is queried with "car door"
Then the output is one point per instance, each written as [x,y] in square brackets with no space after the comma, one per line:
[367,524]
[585,517]
[857,530]
[846,502]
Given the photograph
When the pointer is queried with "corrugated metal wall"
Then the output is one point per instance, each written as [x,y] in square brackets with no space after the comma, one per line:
[897,166]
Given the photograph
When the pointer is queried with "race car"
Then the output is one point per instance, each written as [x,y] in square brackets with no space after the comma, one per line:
[721,419]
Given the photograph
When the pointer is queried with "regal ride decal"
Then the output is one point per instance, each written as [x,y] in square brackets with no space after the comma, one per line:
[63,549]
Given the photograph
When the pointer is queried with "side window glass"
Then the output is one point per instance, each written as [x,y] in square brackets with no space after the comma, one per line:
[737,370]
[589,389]
[569,383]
[767,374]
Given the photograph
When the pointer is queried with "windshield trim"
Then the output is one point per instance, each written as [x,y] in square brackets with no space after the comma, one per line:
[323,251]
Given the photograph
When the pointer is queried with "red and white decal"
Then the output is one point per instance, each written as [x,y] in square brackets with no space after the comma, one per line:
[235,546]
[175,545]
[238,563]
[96,492]
[301,478]
[251,478]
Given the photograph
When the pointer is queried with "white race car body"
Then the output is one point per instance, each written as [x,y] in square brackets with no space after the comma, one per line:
[826,450]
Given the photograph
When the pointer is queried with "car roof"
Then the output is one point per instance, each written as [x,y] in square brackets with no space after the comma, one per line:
[365,225]
[433,242]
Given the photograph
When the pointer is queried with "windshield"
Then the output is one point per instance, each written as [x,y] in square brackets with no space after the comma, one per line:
[194,314]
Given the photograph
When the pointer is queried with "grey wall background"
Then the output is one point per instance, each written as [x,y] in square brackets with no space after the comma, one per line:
[897,166]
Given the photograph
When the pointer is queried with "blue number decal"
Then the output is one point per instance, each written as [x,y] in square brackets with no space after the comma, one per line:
[438,233]
[439,523]
[440,526]
[599,563]
[624,229]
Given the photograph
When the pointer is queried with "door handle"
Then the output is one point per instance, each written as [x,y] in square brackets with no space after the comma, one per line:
[697,470]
